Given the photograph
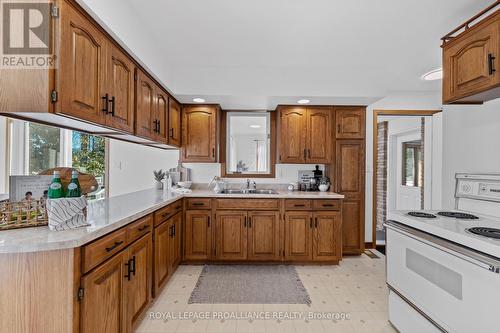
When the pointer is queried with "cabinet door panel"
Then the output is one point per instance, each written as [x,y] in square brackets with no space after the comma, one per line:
[161,116]
[138,287]
[263,235]
[319,135]
[298,236]
[350,123]
[292,135]
[327,236]
[175,243]
[174,123]
[145,106]
[197,234]
[81,67]
[120,81]
[199,134]
[231,235]
[103,304]
[162,256]
[352,231]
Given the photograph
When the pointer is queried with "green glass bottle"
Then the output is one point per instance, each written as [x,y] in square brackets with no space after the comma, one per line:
[55,187]
[74,190]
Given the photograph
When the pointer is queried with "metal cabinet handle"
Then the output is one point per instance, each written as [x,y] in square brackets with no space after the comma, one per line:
[114,246]
[172,132]
[213,152]
[316,223]
[208,221]
[245,222]
[173,228]
[159,126]
[112,101]
[491,64]
[310,222]
[143,228]
[129,272]
[309,153]
[305,153]
[132,270]
[171,232]
[250,222]
[105,98]
[155,126]
[299,205]
[198,204]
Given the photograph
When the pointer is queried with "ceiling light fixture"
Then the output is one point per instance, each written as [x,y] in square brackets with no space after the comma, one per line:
[198,100]
[303,101]
[255,126]
[436,74]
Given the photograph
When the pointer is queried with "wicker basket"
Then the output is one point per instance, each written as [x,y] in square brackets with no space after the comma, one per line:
[23,214]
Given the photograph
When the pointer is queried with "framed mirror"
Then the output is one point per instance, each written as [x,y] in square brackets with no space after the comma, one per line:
[248,141]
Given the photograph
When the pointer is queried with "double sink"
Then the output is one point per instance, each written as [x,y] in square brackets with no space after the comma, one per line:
[249,191]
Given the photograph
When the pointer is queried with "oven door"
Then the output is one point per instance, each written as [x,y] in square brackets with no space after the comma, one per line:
[456,288]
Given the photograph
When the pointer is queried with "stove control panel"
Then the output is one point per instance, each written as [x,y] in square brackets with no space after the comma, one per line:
[479,188]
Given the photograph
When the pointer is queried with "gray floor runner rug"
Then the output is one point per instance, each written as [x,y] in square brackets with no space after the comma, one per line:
[249,284]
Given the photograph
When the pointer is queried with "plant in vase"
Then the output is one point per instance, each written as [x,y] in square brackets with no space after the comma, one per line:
[324,184]
[159,176]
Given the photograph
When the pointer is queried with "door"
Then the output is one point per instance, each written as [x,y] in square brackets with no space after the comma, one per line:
[471,63]
[161,100]
[319,135]
[175,243]
[174,123]
[197,241]
[102,304]
[350,155]
[162,240]
[292,135]
[263,235]
[326,236]
[231,235]
[120,89]
[298,236]
[137,280]
[350,123]
[82,68]
[145,106]
[199,134]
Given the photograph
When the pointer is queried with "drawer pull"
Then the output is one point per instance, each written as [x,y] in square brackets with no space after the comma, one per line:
[143,228]
[114,246]
[198,204]
[491,62]
[301,205]
[178,207]
[328,205]
[171,231]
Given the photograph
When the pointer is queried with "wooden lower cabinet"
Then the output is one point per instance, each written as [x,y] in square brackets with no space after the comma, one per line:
[298,236]
[326,236]
[162,236]
[175,243]
[198,235]
[264,235]
[352,230]
[231,235]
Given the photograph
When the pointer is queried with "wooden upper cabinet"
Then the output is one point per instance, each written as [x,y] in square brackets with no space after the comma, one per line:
[327,236]
[103,302]
[199,133]
[231,235]
[471,63]
[263,235]
[161,116]
[81,72]
[197,235]
[145,106]
[292,134]
[350,122]
[174,123]
[120,90]
[319,135]
[298,236]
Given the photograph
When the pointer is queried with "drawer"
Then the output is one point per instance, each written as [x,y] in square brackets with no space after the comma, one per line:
[198,203]
[326,204]
[139,228]
[257,204]
[162,215]
[297,204]
[103,248]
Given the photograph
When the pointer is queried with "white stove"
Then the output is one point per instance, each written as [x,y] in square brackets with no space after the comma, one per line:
[443,267]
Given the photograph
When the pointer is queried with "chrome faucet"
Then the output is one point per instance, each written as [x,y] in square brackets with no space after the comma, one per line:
[251,185]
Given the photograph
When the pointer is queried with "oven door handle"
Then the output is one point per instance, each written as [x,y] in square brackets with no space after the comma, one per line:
[457,251]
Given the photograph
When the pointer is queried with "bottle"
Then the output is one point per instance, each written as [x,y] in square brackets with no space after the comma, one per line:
[74,190]
[55,187]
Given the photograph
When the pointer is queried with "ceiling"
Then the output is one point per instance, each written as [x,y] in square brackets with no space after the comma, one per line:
[256,54]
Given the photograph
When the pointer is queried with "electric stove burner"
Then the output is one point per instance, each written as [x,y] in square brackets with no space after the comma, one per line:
[486,232]
[458,215]
[422,215]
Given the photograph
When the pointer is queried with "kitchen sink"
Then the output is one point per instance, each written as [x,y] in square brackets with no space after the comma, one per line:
[249,191]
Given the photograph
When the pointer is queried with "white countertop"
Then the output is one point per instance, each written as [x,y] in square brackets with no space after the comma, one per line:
[107,215]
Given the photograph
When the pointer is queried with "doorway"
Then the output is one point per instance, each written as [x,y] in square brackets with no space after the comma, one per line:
[403,145]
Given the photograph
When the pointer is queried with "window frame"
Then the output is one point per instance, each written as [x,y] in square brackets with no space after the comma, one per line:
[416,146]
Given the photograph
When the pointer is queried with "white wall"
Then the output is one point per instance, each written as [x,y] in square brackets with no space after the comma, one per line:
[471,143]
[3,155]
[131,166]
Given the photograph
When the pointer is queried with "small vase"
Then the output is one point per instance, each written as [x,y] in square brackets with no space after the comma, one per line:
[324,187]
[159,185]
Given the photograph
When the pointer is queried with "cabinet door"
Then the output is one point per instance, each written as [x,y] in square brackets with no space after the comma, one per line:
[470,63]
[199,134]
[298,236]
[197,235]
[162,240]
[161,100]
[263,235]
[103,303]
[120,83]
[231,235]
[292,132]
[351,183]
[327,236]
[145,106]
[319,135]
[82,68]
[137,282]
[175,243]
[350,123]
[174,123]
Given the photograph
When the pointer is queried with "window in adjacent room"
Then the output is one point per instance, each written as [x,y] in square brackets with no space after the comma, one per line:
[412,164]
